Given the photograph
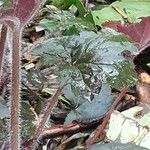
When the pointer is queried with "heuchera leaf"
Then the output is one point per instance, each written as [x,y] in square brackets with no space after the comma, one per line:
[85,60]
[22,9]
[139,32]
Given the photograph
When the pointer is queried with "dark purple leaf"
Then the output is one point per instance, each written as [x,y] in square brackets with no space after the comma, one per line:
[139,32]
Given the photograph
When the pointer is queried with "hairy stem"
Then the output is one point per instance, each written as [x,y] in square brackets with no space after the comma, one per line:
[53,101]
[14,120]
[3,37]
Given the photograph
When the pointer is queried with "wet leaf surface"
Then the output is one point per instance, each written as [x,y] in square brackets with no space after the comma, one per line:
[86,60]
[94,109]
[87,65]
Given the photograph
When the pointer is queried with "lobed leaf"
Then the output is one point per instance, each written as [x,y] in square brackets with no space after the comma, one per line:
[86,60]
[65,21]
[85,109]
[138,32]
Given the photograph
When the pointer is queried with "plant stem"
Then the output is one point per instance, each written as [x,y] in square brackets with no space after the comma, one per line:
[99,130]
[52,102]
[14,120]
[3,37]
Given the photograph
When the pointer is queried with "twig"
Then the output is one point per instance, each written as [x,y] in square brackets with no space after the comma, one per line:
[74,127]
[59,130]
[52,102]
[101,127]
[36,115]
[123,14]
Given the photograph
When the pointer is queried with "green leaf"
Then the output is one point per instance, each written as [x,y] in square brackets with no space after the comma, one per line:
[49,25]
[65,21]
[71,31]
[57,3]
[124,70]
[86,60]
[80,7]
[124,10]
[134,9]
[104,15]
[6,4]
[98,107]
[65,4]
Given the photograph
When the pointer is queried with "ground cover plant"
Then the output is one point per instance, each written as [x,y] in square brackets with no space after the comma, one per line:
[68,68]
